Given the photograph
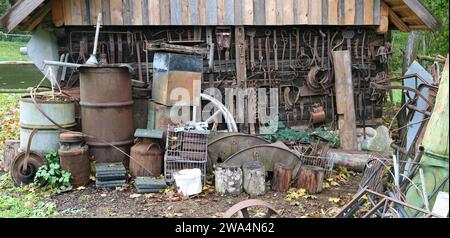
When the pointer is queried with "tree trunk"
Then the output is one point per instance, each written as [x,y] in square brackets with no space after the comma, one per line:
[228,180]
[282,176]
[254,179]
[311,178]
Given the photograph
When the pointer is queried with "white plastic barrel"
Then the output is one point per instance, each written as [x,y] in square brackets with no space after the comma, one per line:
[189,181]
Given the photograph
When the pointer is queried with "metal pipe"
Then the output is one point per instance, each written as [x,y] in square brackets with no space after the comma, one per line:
[414,108]
[97,33]
[62,64]
[424,190]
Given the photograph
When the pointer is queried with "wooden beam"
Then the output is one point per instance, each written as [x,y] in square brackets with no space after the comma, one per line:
[384,19]
[423,13]
[345,101]
[37,18]
[57,12]
[397,21]
[419,27]
[400,8]
[241,71]
[19,12]
[411,19]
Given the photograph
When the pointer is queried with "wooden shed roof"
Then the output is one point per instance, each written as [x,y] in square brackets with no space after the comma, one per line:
[405,15]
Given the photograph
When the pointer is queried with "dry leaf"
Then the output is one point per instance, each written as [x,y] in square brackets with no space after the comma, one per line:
[135,195]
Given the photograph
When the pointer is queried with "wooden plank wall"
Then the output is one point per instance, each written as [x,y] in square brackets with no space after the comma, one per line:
[222,12]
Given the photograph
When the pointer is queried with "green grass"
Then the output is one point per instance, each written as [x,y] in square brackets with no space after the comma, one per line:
[10,51]
[23,202]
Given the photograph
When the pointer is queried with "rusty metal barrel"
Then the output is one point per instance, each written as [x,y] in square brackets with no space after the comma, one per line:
[107,112]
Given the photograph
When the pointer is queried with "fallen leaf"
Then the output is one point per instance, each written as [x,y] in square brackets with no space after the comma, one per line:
[135,195]
[335,201]
[81,188]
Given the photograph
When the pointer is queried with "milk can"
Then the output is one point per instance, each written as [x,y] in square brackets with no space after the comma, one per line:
[147,157]
[74,158]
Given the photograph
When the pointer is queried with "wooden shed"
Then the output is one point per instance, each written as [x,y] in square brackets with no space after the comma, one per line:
[282,44]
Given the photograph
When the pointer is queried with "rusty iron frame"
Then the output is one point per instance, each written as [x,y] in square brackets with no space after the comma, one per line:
[380,201]
[242,209]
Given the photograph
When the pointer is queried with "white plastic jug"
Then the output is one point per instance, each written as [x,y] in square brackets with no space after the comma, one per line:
[189,181]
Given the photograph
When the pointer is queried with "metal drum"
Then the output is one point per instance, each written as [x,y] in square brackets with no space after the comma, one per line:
[147,159]
[107,112]
[60,110]
[74,157]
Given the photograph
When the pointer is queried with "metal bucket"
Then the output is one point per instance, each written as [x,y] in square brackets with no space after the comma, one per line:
[147,160]
[107,112]
[47,136]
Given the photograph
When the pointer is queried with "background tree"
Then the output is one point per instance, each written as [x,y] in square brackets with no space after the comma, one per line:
[4,6]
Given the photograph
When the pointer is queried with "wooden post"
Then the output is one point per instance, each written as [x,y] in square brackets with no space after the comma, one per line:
[311,178]
[345,102]
[11,149]
[282,176]
[254,178]
[228,180]
[409,56]
[241,71]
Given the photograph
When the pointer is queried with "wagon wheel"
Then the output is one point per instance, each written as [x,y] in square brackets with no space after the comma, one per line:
[268,155]
[241,209]
[25,165]
[221,148]
[220,110]
[25,175]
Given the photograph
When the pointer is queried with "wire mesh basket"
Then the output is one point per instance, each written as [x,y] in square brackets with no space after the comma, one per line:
[185,150]
[318,161]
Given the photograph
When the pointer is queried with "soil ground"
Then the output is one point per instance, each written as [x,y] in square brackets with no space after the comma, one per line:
[91,202]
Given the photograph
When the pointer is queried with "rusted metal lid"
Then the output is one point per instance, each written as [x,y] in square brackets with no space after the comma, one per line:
[106,66]
[71,137]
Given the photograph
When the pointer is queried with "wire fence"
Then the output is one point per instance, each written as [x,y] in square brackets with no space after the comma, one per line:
[14,37]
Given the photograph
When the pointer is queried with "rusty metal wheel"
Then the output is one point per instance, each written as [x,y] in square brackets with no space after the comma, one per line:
[24,176]
[268,155]
[241,210]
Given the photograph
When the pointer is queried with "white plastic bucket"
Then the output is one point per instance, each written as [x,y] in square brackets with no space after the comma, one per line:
[189,181]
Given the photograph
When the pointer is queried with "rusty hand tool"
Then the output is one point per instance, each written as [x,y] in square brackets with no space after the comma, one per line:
[252,33]
[180,32]
[303,60]
[275,49]
[227,47]
[285,42]
[337,45]
[219,43]
[268,70]
[348,35]
[315,51]
[356,51]
[297,42]
[119,49]
[147,62]
[138,52]
[260,54]
[291,66]
[307,39]
[112,47]
[322,57]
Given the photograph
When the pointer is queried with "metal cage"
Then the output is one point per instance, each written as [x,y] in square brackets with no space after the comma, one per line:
[185,150]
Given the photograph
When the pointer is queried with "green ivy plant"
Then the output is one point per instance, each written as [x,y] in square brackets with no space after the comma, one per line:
[52,176]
